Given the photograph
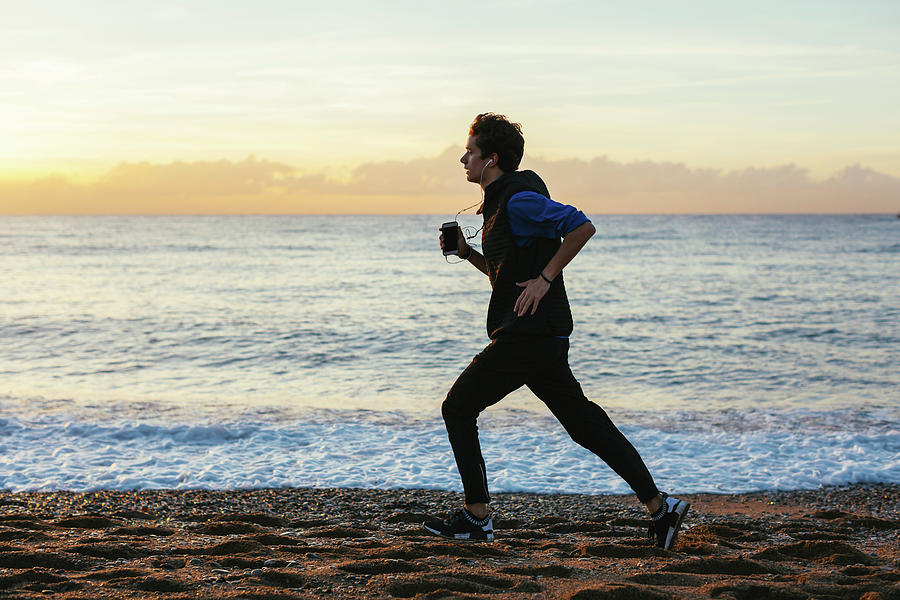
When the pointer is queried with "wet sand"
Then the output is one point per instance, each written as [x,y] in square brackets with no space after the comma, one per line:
[834,543]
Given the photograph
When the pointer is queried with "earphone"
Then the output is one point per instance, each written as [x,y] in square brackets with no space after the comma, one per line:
[465,233]
[486,165]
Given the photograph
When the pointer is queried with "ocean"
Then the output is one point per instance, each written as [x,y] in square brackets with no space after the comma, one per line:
[737,353]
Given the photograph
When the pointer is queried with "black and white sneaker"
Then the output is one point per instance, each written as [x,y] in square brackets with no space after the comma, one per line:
[463,526]
[667,521]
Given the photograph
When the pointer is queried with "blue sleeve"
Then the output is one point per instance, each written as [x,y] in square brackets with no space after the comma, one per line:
[533,215]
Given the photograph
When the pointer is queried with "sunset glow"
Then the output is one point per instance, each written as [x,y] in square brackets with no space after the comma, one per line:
[287,107]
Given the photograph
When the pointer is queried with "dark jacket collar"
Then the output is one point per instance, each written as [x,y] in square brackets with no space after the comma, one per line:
[510,184]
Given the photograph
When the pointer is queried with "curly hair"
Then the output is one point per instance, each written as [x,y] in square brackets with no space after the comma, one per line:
[495,133]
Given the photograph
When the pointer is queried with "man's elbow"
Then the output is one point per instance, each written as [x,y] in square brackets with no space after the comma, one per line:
[586,230]
[582,232]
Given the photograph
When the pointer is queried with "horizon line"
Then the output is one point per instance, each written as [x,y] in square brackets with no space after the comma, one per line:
[363,214]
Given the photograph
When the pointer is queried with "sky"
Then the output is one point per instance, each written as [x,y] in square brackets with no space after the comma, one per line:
[329,107]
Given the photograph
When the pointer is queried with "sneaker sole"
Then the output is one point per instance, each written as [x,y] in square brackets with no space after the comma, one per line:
[462,537]
[673,531]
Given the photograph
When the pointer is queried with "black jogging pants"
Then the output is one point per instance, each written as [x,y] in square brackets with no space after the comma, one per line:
[542,364]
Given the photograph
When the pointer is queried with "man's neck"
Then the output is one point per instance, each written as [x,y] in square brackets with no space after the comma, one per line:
[490,176]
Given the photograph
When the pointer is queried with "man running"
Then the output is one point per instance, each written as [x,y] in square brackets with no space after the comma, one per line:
[529,323]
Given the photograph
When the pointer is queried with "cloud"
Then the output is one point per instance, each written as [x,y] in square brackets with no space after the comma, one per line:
[435,185]
[604,186]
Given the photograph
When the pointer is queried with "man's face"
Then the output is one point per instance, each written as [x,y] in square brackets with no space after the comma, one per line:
[472,160]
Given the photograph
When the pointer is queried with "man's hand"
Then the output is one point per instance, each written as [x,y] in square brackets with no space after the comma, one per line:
[535,289]
[461,244]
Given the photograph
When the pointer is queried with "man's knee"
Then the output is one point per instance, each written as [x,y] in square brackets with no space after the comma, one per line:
[455,407]
[448,409]
[589,427]
[582,436]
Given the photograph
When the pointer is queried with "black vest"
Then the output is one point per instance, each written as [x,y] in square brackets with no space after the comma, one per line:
[508,264]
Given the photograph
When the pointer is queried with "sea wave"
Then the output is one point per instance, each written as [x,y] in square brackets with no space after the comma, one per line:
[734,451]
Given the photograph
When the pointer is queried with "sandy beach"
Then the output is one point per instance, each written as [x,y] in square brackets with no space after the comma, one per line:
[833,543]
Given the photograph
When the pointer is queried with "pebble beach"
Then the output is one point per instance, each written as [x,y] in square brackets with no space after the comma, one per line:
[834,543]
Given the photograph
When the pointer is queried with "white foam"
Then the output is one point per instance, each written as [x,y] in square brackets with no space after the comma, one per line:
[75,448]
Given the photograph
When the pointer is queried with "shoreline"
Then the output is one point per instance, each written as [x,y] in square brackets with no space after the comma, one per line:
[834,542]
